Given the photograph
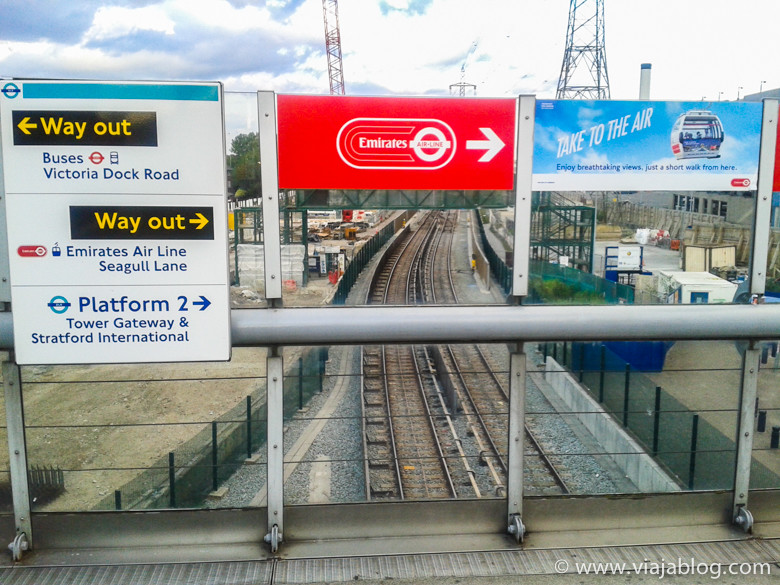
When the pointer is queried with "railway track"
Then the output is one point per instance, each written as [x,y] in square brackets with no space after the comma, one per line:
[483,397]
[436,421]
[405,458]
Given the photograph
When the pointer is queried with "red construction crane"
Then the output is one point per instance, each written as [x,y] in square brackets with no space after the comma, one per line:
[330,9]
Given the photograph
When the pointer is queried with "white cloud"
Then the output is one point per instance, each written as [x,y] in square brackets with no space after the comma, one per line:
[518,46]
[415,53]
[220,14]
[5,50]
[111,22]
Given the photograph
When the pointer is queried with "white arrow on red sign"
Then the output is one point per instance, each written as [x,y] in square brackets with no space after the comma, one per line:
[492,146]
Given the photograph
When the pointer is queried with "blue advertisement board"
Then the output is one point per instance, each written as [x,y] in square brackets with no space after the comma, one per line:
[584,145]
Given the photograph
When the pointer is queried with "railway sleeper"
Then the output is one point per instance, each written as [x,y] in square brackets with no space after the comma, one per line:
[374,411]
[380,464]
[376,436]
[383,493]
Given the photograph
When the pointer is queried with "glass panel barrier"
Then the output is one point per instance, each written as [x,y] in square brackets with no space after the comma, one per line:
[625,247]
[772,289]
[323,426]
[347,255]
[141,436]
[400,423]
[244,213]
[586,248]
[656,416]
[765,469]
[646,240]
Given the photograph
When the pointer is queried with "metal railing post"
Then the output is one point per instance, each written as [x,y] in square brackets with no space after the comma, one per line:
[515,455]
[214,457]
[275,445]
[745,431]
[694,441]
[656,419]
[248,427]
[300,383]
[17,453]
[171,479]
[602,373]
[626,388]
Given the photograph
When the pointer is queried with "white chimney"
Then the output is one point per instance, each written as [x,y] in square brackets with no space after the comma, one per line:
[644,81]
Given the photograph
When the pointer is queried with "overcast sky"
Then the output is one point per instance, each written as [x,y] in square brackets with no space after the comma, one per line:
[698,48]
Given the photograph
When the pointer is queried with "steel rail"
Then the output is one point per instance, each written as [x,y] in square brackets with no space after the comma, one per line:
[403,268]
[415,280]
[442,272]
[551,468]
[387,271]
[457,441]
[432,426]
[482,425]
[483,428]
[427,275]
[396,463]
[452,292]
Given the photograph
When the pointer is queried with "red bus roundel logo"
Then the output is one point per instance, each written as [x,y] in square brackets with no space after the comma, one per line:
[396,143]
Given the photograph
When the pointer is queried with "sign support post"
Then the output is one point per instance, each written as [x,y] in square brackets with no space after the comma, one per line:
[522,239]
[269,181]
[763,213]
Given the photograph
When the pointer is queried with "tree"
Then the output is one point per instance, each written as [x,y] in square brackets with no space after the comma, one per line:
[244,161]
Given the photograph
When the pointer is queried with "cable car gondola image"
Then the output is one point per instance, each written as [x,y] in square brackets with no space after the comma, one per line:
[697,134]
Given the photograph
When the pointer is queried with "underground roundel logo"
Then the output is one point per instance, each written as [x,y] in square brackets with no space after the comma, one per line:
[396,143]
[11,90]
[59,304]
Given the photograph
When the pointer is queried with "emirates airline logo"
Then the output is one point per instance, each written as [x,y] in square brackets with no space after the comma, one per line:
[396,143]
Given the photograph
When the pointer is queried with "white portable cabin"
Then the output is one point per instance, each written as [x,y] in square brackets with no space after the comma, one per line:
[694,287]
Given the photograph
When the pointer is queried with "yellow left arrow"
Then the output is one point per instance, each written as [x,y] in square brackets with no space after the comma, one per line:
[201,220]
[25,125]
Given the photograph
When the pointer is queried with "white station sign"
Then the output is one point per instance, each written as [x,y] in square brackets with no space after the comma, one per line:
[116,221]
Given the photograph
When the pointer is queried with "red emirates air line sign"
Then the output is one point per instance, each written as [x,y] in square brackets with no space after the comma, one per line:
[337,142]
